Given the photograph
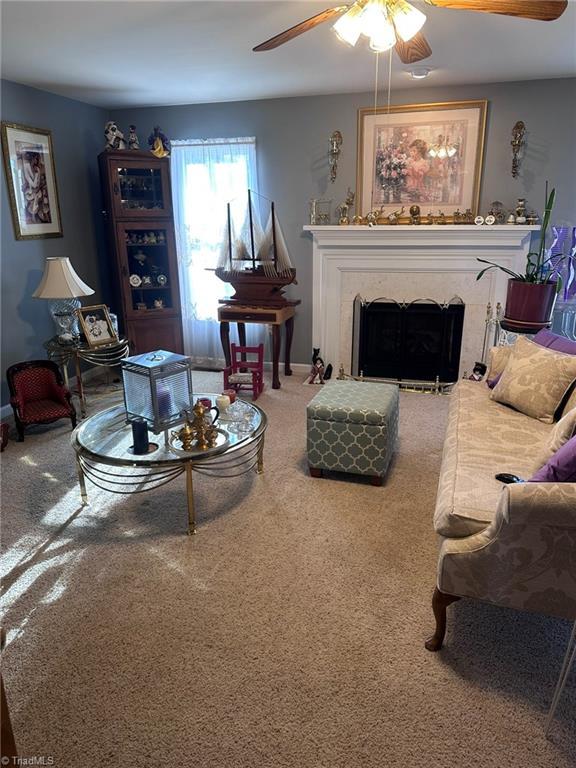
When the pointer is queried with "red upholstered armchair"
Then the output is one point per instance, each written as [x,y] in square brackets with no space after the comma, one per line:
[38,394]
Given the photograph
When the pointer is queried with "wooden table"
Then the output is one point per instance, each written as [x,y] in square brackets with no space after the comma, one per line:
[273,316]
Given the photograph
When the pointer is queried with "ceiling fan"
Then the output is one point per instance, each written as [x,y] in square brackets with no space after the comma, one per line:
[397,23]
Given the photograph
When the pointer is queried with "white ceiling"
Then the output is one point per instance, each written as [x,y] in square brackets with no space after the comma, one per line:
[159,52]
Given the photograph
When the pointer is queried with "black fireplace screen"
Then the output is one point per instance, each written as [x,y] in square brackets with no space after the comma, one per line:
[419,341]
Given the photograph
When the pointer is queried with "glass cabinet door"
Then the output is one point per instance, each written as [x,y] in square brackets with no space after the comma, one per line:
[139,190]
[148,268]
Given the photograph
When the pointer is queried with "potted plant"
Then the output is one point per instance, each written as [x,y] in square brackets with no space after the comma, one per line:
[531,296]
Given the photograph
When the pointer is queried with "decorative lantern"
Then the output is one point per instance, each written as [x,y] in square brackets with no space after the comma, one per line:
[157,388]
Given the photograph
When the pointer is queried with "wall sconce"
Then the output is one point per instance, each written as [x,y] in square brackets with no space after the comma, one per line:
[334,154]
[518,142]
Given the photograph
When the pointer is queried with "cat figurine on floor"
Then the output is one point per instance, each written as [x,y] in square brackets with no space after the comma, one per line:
[317,370]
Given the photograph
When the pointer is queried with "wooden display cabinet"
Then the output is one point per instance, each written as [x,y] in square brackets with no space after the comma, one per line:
[138,211]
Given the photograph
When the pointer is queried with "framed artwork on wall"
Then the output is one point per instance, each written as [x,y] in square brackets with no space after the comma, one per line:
[96,325]
[31,180]
[428,155]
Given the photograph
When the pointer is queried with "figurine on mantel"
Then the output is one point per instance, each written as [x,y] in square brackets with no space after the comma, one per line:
[394,217]
[159,143]
[344,208]
[133,141]
[114,136]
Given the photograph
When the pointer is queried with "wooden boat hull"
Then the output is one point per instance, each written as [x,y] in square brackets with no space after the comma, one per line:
[256,288]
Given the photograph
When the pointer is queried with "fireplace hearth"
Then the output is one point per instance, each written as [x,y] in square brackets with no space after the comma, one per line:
[407,341]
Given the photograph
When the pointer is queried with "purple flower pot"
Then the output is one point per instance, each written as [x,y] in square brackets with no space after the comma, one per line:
[529,306]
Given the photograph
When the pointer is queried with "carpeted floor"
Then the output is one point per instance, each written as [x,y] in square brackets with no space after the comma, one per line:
[288,633]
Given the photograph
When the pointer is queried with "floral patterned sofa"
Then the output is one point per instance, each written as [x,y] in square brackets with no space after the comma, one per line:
[511,545]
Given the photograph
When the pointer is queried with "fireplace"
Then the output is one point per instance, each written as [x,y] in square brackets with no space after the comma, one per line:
[408,262]
[407,341]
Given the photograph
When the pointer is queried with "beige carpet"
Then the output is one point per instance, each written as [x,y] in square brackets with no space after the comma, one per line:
[288,633]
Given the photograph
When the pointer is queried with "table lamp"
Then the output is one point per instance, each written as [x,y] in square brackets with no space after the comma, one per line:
[61,284]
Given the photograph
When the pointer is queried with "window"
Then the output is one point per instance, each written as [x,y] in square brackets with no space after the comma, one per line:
[207,174]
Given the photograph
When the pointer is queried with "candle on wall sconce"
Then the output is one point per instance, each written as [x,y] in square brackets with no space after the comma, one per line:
[518,142]
[334,154]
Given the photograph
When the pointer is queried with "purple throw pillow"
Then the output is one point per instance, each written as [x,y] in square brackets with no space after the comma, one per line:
[560,468]
[545,338]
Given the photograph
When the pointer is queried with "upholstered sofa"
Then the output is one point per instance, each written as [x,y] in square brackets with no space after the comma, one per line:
[511,545]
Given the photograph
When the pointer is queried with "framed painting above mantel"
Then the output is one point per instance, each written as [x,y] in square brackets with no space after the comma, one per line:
[428,155]
[31,180]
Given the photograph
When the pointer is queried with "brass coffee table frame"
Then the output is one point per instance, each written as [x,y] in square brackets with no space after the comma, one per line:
[126,474]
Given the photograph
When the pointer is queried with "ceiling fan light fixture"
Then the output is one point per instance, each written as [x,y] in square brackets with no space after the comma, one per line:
[383,38]
[407,19]
[349,27]
[374,17]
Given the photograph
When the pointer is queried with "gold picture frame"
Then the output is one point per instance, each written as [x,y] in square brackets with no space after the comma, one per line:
[31,179]
[96,325]
[428,155]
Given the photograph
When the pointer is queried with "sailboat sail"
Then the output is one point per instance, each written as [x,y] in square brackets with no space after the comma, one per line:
[255,261]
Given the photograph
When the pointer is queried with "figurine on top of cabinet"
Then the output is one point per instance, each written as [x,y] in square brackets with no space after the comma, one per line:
[133,140]
[159,143]
[114,136]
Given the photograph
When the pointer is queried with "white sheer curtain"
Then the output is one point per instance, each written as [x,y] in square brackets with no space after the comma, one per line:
[206,174]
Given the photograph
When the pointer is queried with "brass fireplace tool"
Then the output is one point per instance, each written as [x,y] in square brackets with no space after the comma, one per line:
[200,433]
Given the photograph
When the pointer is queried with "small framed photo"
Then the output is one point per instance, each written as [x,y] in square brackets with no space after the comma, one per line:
[96,325]
[31,179]
[420,154]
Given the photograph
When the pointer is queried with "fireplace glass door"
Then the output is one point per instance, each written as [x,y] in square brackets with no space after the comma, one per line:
[419,341]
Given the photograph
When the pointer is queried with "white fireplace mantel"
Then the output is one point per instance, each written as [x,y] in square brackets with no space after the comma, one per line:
[405,263]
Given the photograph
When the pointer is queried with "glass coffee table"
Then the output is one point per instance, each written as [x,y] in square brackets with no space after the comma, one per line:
[103,446]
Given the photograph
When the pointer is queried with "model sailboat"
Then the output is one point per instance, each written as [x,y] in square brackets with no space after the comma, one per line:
[256,262]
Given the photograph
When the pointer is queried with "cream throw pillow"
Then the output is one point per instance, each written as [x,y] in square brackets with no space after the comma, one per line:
[535,380]
[562,432]
[497,360]
[571,402]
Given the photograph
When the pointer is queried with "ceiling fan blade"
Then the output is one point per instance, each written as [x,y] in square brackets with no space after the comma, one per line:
[540,10]
[299,29]
[414,50]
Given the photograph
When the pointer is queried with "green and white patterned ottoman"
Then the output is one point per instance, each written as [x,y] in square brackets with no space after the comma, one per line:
[352,426]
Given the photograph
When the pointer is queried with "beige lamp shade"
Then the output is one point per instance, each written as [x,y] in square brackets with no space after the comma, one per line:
[60,281]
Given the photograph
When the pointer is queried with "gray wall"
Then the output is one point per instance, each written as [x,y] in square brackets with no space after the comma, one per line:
[77,138]
[292,139]
[292,136]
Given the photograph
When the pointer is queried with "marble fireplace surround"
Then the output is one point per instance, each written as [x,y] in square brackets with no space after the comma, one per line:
[405,263]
